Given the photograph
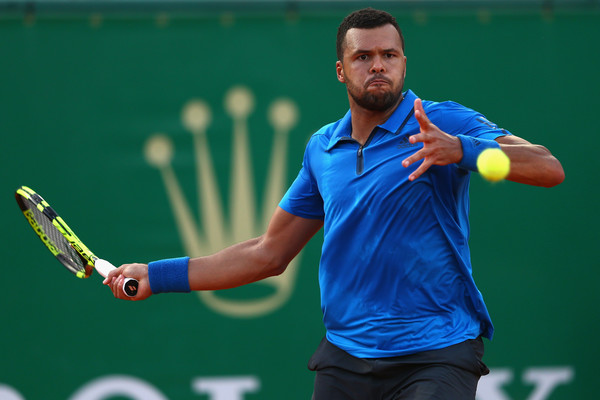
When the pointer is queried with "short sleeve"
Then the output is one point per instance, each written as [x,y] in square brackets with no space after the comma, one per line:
[303,198]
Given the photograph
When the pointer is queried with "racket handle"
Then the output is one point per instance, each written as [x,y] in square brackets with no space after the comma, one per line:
[130,286]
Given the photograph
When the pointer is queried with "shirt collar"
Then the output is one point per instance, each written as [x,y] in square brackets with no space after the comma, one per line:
[393,123]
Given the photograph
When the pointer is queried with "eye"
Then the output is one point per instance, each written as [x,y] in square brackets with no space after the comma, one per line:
[389,55]
[363,57]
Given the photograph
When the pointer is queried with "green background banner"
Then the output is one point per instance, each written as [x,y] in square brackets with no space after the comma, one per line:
[145,129]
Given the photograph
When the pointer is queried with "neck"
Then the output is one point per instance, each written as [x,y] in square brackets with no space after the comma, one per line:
[365,120]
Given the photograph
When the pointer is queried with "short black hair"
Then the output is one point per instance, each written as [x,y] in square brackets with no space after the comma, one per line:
[367,18]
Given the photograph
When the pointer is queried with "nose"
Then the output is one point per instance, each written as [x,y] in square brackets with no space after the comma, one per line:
[377,66]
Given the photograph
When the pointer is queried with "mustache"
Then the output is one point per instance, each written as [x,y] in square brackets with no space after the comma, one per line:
[378,77]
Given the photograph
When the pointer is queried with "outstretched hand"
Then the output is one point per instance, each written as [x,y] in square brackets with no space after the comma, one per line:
[116,278]
[439,148]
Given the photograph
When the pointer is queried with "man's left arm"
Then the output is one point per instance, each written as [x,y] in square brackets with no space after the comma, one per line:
[531,164]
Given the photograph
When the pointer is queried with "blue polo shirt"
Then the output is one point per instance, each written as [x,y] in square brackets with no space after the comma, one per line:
[395,271]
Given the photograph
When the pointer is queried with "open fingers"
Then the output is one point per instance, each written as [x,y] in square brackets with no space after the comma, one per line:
[413,158]
[421,154]
[421,116]
[425,125]
[421,170]
[427,162]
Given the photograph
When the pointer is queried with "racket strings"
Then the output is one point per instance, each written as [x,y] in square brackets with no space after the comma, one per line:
[69,257]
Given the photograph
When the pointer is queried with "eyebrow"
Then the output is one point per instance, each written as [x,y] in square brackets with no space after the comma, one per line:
[390,50]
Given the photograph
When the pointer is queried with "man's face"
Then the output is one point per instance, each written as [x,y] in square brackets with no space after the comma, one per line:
[373,68]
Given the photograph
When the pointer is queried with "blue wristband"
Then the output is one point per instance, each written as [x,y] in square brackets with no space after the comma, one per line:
[472,147]
[169,275]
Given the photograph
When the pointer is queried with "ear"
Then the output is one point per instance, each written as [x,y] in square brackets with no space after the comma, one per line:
[339,70]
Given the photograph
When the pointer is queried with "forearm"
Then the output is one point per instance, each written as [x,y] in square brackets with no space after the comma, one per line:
[531,164]
[234,266]
[237,265]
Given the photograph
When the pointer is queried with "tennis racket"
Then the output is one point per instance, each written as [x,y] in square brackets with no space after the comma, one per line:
[61,241]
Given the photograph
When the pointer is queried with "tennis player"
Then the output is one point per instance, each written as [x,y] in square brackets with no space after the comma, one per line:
[389,182]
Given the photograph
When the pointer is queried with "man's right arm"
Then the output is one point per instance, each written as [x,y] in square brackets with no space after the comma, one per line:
[255,259]
[237,265]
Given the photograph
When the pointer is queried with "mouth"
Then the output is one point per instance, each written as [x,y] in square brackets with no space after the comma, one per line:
[378,81]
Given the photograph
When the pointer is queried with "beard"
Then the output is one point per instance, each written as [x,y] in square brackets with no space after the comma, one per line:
[380,101]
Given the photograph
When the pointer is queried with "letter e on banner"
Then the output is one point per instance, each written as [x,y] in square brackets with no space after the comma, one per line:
[230,388]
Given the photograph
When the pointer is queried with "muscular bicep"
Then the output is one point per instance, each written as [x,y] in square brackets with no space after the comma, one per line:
[287,234]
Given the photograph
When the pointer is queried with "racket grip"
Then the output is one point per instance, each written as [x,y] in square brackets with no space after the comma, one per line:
[130,286]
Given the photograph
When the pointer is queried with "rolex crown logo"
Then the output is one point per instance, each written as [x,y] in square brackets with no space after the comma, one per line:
[214,232]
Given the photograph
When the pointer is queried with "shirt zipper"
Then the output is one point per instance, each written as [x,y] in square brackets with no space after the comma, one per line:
[360,160]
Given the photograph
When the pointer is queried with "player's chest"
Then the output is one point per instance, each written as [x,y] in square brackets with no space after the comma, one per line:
[350,167]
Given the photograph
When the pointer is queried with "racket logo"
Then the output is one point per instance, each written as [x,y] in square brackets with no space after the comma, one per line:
[40,232]
[131,288]
[215,230]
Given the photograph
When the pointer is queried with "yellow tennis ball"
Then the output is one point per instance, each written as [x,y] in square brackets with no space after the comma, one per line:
[493,164]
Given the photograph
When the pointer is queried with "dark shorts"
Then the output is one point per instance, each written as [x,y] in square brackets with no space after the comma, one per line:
[451,373]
